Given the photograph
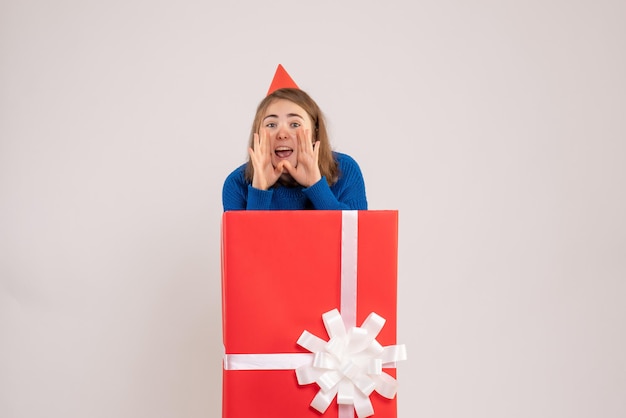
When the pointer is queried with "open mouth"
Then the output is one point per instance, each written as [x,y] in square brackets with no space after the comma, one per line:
[283,152]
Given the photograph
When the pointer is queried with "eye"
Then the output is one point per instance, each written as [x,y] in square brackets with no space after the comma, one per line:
[295,124]
[270,125]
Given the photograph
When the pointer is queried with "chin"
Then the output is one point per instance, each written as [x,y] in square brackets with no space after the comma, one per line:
[294,163]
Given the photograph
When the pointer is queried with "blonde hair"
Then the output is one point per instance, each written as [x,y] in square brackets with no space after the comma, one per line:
[328,165]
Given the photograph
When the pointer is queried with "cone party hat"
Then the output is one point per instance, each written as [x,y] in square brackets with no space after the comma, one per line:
[281,80]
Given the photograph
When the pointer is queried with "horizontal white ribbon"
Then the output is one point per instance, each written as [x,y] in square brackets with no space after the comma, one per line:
[274,361]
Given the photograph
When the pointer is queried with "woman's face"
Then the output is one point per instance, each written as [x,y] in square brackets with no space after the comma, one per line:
[282,122]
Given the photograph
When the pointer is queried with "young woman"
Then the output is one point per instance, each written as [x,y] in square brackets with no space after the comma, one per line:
[291,164]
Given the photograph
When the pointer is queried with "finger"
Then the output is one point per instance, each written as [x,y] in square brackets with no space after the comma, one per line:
[305,149]
[278,170]
[262,141]
[256,163]
[266,136]
[286,165]
[316,150]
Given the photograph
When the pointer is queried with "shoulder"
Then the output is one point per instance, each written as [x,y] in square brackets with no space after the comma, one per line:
[349,170]
[236,176]
[346,162]
[238,172]
[344,159]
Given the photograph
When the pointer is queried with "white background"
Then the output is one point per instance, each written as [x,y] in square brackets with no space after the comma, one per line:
[496,128]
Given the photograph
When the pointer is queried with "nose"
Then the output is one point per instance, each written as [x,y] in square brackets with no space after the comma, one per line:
[282,133]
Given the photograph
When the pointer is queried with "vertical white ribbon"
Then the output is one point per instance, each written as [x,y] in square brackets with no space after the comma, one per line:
[349,257]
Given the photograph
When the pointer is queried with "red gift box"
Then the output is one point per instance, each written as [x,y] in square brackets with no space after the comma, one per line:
[281,270]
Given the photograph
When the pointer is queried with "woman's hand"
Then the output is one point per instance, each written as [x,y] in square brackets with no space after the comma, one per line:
[307,171]
[265,174]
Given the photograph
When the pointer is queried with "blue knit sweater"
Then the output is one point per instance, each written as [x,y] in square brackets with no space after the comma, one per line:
[347,193]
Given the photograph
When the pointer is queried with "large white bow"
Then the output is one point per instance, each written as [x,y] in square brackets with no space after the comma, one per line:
[349,365]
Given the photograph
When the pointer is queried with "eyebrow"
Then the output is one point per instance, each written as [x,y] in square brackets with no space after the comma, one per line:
[289,115]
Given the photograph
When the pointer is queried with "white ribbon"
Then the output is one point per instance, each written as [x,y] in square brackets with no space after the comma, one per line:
[274,361]
[347,366]
[349,256]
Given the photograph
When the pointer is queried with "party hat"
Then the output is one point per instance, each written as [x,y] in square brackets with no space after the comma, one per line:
[281,80]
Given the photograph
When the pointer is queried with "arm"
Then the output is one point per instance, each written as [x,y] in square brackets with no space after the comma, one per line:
[237,194]
[347,194]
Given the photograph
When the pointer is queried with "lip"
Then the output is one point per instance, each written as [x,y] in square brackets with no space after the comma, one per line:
[283,152]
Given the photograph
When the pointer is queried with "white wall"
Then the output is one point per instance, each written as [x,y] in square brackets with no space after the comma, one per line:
[496,128]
